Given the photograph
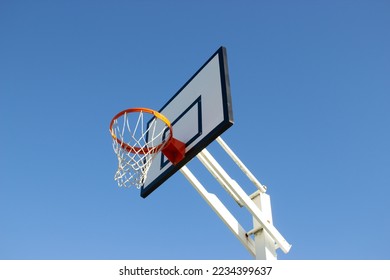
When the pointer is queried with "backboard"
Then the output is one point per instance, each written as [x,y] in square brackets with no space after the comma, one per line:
[199,112]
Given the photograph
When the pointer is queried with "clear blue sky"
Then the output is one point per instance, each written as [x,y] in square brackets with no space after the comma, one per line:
[311,94]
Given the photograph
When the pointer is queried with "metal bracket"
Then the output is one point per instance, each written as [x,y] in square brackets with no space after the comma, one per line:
[266,237]
[253,231]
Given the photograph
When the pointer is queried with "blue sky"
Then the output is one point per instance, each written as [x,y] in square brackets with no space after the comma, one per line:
[310,88]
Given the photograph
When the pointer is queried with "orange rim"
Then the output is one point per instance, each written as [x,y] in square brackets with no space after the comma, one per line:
[135,149]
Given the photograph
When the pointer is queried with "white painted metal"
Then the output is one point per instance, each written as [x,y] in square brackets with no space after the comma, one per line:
[221,211]
[240,164]
[219,178]
[237,191]
[254,230]
[265,245]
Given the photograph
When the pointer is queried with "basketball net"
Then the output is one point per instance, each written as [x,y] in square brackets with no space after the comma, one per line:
[136,142]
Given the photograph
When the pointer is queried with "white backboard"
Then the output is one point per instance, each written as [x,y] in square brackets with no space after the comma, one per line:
[199,112]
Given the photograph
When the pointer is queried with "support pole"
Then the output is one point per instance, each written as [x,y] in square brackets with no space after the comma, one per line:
[220,209]
[241,165]
[221,180]
[266,237]
[238,192]
[265,245]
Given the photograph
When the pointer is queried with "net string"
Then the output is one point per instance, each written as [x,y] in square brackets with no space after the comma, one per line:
[133,165]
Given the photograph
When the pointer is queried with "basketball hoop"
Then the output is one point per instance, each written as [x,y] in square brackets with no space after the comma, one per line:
[137,141]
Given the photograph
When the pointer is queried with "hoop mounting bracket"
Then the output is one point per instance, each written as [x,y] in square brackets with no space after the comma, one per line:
[175,151]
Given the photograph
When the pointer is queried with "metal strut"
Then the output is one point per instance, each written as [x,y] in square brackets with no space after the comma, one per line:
[266,237]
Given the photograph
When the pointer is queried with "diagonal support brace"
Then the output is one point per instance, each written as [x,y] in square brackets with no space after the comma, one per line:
[215,168]
[220,209]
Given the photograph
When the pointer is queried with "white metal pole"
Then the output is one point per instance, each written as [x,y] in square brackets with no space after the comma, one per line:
[220,209]
[240,164]
[265,245]
[219,178]
[245,199]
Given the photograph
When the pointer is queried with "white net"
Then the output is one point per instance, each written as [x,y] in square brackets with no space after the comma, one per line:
[137,143]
